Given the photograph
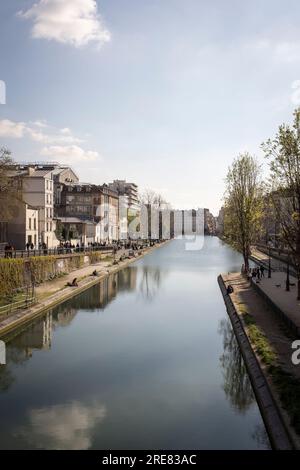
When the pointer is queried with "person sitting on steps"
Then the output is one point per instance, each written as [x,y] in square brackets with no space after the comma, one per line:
[229,289]
[73,283]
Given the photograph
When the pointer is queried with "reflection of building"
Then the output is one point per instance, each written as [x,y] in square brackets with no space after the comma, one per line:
[63,315]
[127,279]
[37,336]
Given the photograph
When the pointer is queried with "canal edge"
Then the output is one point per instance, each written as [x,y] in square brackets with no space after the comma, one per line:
[278,433]
[68,293]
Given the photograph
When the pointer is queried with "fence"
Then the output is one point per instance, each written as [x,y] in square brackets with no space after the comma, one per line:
[10,253]
[19,300]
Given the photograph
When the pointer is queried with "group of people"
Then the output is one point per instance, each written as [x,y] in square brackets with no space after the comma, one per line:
[8,250]
[254,273]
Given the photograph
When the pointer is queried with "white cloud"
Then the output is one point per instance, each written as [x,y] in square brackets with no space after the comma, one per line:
[36,131]
[69,153]
[11,129]
[59,144]
[67,427]
[41,123]
[74,22]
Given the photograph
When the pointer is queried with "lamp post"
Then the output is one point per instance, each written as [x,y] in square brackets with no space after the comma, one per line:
[269,268]
[287,282]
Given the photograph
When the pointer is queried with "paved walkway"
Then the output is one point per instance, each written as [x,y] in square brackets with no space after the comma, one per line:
[247,300]
[275,290]
[55,285]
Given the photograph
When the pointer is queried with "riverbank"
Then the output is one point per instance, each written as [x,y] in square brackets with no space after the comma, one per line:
[52,293]
[265,343]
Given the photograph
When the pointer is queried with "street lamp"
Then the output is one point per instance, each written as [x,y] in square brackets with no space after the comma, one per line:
[269,269]
[287,282]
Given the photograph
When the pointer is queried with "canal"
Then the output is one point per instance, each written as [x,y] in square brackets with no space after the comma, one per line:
[146,359]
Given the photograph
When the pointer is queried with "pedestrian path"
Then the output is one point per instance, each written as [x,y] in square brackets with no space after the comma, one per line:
[274,289]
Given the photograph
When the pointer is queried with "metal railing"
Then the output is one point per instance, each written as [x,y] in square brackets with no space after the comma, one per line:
[52,251]
[63,250]
[18,300]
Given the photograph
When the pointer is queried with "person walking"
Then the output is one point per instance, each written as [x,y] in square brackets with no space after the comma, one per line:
[262,270]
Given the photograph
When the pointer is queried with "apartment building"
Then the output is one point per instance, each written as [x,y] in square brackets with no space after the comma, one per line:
[23,229]
[129,206]
[94,203]
[37,188]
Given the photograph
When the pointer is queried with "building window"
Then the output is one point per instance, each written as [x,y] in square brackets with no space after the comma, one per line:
[34,224]
[29,223]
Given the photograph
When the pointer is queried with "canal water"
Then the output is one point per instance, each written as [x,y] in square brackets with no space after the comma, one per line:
[146,359]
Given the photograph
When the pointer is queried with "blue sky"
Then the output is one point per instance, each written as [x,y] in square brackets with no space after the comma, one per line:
[164,93]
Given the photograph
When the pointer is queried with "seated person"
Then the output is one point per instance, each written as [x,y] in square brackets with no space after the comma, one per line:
[73,283]
[229,289]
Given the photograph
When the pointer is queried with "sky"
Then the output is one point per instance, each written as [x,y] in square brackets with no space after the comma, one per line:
[163,93]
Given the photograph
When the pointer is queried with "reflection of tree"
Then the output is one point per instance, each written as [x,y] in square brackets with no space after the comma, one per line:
[261,437]
[237,385]
[150,282]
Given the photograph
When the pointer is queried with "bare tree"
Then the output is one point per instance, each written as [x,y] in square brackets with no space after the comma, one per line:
[9,186]
[152,198]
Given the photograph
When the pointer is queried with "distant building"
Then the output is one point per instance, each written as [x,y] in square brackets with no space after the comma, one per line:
[209,223]
[81,231]
[220,222]
[123,188]
[129,207]
[37,189]
[23,227]
[94,203]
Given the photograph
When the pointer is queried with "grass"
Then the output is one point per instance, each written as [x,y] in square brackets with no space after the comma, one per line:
[289,391]
[287,386]
[260,341]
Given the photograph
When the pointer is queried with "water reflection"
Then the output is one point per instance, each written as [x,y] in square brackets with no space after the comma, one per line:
[69,426]
[237,385]
[150,283]
[137,373]
[260,436]
[38,334]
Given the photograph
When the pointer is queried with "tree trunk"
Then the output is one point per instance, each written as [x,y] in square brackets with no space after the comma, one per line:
[298,293]
[246,261]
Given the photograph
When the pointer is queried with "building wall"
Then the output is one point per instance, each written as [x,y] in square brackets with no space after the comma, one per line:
[38,192]
[24,227]
[97,204]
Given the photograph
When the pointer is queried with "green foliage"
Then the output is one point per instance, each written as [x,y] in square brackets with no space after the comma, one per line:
[10,194]
[287,385]
[289,392]
[95,257]
[243,204]
[284,155]
[11,276]
[40,268]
